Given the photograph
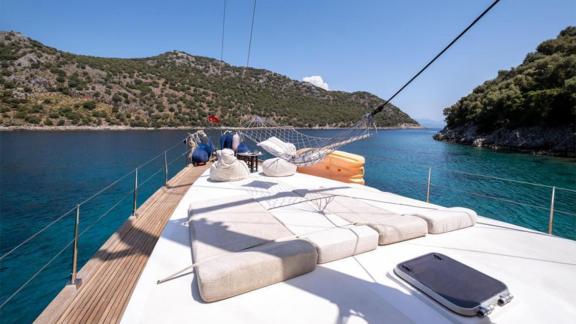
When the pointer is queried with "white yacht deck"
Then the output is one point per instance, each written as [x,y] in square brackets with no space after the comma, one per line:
[539,270]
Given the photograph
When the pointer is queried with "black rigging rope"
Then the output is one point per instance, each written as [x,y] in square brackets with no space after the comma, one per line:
[381,107]
[223,29]
[251,32]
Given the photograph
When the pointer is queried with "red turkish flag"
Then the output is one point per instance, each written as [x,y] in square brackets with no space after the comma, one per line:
[213,119]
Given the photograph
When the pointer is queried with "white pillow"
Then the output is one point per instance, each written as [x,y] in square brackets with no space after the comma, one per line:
[277,147]
[278,167]
[235,141]
[228,168]
[226,156]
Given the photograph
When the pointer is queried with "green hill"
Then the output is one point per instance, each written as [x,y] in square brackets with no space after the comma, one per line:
[43,86]
[531,107]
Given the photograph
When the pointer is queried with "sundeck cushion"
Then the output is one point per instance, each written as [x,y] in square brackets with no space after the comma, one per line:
[391,227]
[334,237]
[223,277]
[396,228]
[342,242]
[234,248]
[230,224]
[447,219]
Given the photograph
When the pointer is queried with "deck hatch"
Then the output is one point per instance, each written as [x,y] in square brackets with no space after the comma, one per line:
[456,286]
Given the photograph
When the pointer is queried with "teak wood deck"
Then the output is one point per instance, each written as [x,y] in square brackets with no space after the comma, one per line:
[110,276]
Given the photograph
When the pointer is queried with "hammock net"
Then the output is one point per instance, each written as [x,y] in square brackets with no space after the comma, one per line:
[309,149]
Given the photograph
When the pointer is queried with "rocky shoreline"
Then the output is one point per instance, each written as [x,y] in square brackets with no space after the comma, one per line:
[556,141]
[129,128]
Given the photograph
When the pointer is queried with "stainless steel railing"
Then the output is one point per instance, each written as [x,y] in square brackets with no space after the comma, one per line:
[429,186]
[551,218]
[73,278]
[138,183]
[74,243]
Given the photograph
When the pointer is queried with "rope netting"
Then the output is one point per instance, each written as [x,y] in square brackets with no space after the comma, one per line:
[307,149]
[302,149]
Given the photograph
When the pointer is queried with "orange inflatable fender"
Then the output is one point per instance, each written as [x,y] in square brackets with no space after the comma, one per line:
[340,166]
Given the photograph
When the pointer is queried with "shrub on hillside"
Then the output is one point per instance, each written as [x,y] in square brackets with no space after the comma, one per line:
[90,105]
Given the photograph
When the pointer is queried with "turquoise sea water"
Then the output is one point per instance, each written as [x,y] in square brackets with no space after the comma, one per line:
[44,174]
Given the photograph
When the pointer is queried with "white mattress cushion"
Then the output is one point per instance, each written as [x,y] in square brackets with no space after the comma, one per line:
[236,248]
[237,273]
[342,242]
[333,237]
[391,227]
[277,167]
[447,219]
[231,224]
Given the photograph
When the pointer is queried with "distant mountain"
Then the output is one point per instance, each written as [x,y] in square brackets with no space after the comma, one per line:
[530,108]
[431,123]
[43,86]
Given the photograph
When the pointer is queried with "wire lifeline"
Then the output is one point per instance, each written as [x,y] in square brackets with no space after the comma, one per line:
[510,201]
[161,154]
[37,233]
[35,275]
[126,195]
[160,170]
[150,177]
[387,158]
[105,188]
[62,250]
[481,195]
[83,202]
[129,173]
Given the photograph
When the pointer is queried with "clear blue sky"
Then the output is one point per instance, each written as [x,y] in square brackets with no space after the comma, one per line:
[353,45]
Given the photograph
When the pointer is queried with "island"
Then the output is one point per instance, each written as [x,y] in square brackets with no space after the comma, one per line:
[530,108]
[42,87]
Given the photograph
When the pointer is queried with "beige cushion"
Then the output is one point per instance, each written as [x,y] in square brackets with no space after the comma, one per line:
[396,228]
[232,246]
[390,226]
[448,219]
[278,167]
[332,236]
[342,242]
[237,273]
[230,224]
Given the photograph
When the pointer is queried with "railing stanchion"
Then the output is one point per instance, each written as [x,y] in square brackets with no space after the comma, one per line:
[428,186]
[551,219]
[165,169]
[74,280]
[135,200]
[188,155]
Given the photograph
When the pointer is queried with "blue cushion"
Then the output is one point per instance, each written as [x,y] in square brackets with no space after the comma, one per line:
[209,148]
[226,141]
[200,154]
[242,148]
